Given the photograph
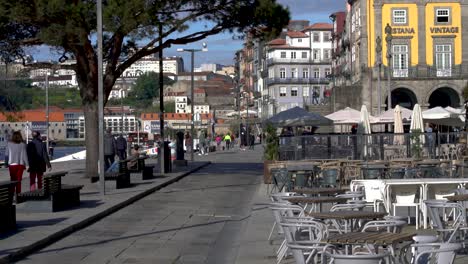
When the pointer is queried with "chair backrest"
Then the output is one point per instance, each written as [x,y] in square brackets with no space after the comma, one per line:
[442,196]
[405,198]
[330,176]
[301,180]
[280,197]
[373,192]
[389,226]
[436,209]
[357,259]
[440,253]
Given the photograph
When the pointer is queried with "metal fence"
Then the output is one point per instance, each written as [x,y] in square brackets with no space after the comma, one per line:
[382,146]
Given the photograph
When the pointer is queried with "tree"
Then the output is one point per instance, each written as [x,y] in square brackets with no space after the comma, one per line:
[147,88]
[69,26]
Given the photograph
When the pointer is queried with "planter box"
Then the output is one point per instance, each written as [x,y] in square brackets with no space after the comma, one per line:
[267,166]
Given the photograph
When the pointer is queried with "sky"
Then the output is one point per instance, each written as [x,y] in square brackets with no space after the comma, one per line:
[222,47]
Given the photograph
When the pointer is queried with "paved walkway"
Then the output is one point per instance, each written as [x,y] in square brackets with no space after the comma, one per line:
[199,219]
[40,229]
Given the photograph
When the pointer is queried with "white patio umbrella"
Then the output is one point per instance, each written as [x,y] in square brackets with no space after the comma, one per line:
[417,122]
[398,126]
[388,117]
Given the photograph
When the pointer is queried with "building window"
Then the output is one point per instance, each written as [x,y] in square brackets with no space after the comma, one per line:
[293,55]
[293,91]
[305,73]
[305,91]
[282,73]
[327,72]
[304,55]
[299,40]
[353,53]
[400,60]
[283,54]
[443,58]
[316,73]
[399,16]
[282,91]
[316,53]
[442,15]
[326,36]
[293,72]
[326,54]
[316,37]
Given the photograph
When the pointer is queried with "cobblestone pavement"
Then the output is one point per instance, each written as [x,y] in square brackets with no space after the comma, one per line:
[199,219]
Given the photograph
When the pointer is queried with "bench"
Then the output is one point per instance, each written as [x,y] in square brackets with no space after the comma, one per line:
[146,170]
[57,196]
[7,208]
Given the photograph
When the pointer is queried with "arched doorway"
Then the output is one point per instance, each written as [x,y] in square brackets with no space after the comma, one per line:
[403,97]
[444,97]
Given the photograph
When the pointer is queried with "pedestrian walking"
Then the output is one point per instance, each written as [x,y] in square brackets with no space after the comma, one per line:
[252,141]
[227,139]
[188,142]
[110,149]
[51,148]
[202,143]
[121,144]
[38,160]
[134,155]
[218,142]
[17,159]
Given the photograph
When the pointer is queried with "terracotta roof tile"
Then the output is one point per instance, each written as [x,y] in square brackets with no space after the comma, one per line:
[277,42]
[296,34]
[32,116]
[321,26]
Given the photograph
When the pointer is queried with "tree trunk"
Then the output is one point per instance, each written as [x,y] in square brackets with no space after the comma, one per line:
[90,110]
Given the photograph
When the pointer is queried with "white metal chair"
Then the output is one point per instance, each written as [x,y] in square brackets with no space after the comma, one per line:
[303,238]
[440,253]
[373,195]
[422,239]
[391,226]
[447,230]
[332,255]
[405,199]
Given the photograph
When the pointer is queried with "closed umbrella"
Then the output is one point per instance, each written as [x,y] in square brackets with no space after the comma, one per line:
[398,126]
[417,122]
[365,123]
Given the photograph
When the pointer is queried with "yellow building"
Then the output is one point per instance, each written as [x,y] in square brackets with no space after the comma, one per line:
[429,63]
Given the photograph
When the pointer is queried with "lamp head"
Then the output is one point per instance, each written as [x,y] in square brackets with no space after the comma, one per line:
[204,45]
[180,50]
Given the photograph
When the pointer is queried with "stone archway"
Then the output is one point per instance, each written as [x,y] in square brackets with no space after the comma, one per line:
[444,96]
[403,97]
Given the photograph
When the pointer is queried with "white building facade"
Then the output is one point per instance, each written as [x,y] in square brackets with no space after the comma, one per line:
[298,69]
[173,65]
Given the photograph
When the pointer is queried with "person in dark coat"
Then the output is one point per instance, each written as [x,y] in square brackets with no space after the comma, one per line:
[121,147]
[110,149]
[38,160]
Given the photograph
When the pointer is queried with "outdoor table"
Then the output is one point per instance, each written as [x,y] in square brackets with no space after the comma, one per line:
[369,239]
[319,191]
[385,187]
[314,201]
[347,217]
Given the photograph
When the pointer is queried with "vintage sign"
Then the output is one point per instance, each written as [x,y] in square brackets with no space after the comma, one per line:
[444,30]
[396,31]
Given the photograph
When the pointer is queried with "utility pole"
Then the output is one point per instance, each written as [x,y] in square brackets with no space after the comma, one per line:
[378,50]
[100,97]
[161,100]
[47,109]
[388,38]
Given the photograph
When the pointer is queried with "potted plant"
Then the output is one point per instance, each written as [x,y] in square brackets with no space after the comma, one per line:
[416,144]
[271,152]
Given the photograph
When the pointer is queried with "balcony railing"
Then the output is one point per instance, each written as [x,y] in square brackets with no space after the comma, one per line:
[271,81]
[297,60]
[455,72]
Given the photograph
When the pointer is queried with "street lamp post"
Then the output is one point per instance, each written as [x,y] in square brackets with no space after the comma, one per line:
[192,58]
[388,39]
[378,50]
[100,96]
[47,109]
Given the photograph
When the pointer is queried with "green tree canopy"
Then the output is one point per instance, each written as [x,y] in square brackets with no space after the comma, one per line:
[147,88]
[70,27]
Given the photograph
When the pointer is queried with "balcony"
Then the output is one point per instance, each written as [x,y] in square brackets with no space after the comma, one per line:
[428,72]
[271,81]
[272,61]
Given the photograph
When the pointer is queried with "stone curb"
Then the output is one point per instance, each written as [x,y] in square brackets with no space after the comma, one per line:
[25,251]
